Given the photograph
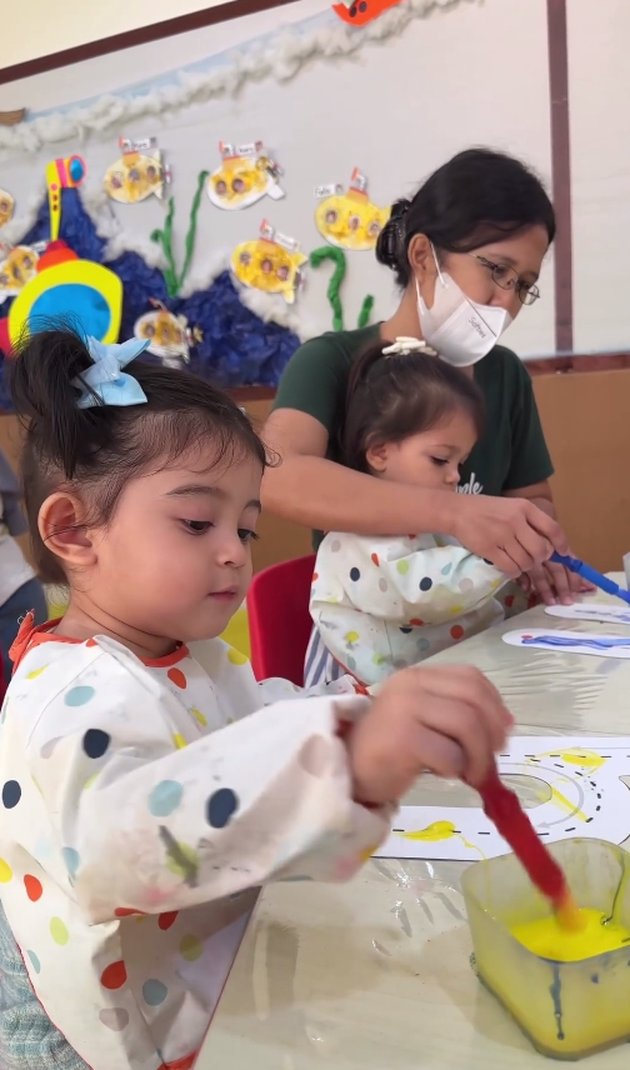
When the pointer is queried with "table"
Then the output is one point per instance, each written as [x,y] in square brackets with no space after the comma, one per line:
[375,974]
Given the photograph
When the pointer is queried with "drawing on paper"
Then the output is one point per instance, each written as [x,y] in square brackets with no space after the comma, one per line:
[602,612]
[585,797]
[603,646]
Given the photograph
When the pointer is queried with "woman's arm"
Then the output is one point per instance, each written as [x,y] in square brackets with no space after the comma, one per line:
[309,489]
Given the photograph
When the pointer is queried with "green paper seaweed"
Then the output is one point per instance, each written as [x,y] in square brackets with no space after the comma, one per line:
[338,257]
[164,237]
[192,227]
[366,311]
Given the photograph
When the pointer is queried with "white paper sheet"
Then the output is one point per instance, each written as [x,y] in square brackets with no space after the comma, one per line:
[602,646]
[585,798]
[604,612]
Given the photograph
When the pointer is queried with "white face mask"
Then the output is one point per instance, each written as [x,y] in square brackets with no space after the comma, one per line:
[461,331]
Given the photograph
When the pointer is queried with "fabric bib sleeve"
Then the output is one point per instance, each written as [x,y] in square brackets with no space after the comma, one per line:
[400,579]
[386,604]
[155,826]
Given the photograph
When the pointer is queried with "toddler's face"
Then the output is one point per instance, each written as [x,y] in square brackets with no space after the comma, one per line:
[175,559]
[430,459]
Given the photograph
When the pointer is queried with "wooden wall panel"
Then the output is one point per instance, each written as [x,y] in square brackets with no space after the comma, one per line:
[279,539]
[586,417]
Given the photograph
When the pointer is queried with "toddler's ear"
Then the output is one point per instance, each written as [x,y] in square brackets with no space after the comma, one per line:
[377,457]
[62,528]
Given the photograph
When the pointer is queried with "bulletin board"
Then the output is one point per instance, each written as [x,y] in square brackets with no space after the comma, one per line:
[330,109]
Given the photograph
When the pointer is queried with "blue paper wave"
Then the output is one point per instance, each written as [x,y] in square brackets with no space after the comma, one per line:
[238,348]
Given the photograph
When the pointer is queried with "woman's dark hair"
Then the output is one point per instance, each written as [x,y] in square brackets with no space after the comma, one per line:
[479,196]
[99,449]
[392,397]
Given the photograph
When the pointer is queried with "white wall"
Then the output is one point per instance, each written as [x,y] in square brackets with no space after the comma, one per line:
[476,74]
[39,28]
[599,95]
[104,74]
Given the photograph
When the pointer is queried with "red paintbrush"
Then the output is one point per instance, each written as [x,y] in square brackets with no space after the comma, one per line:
[503,808]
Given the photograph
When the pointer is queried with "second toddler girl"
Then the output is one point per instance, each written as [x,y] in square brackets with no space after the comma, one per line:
[380,604]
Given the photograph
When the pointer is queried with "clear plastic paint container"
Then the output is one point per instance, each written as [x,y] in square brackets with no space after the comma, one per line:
[567,1009]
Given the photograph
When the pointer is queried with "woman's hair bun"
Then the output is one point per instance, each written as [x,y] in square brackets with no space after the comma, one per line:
[400,209]
[391,240]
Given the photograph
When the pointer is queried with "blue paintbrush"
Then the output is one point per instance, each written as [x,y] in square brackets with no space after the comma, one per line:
[592,575]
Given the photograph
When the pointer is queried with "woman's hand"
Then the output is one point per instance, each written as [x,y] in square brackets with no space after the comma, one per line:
[512,533]
[554,584]
[448,720]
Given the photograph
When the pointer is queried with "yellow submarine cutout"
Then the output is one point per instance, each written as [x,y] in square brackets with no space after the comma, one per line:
[64,286]
[272,263]
[349,220]
[7,207]
[17,268]
[169,335]
[246,175]
[138,174]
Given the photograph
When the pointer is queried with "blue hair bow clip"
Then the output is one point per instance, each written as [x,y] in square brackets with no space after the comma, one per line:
[105,383]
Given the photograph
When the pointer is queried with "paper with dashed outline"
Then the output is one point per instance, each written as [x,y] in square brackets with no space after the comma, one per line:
[588,798]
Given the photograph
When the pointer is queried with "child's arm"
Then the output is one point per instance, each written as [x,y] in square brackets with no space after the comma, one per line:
[162,826]
[397,580]
[142,825]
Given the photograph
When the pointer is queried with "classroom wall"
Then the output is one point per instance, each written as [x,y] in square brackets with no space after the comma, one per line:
[38,29]
[396,108]
[468,73]
[599,89]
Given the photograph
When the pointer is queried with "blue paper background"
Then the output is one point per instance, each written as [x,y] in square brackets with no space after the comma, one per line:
[238,348]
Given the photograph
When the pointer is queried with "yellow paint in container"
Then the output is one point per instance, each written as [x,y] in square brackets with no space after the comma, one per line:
[568,991]
[547,939]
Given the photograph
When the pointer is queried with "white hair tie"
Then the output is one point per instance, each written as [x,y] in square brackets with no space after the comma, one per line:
[404,347]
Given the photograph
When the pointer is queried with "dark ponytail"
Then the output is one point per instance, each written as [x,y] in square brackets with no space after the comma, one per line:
[96,451]
[479,196]
[392,397]
[46,400]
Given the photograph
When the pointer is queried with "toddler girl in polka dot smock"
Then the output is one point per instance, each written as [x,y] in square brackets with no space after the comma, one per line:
[383,603]
[148,784]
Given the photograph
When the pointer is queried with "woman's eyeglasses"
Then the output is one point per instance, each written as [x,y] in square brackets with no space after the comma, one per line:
[507,278]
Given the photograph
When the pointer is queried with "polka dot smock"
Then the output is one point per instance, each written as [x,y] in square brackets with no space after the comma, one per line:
[381,604]
[132,830]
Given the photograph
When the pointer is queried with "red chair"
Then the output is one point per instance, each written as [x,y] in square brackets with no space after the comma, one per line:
[279,620]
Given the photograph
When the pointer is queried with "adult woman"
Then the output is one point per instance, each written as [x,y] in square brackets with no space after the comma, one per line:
[467,250]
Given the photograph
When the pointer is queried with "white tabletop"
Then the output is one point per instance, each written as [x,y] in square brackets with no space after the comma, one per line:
[375,974]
